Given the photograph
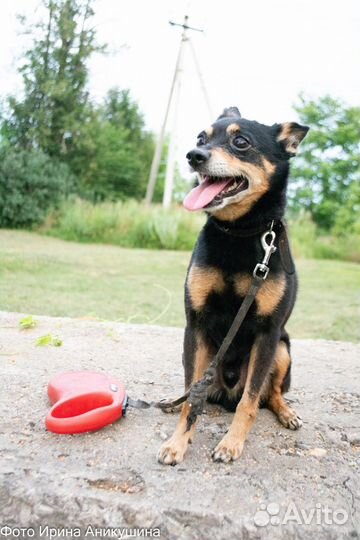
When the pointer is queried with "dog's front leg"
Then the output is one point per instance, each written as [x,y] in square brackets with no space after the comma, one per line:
[261,358]
[196,360]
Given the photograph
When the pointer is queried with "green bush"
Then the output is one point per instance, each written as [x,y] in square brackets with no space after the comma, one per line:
[310,243]
[125,223]
[30,183]
[348,217]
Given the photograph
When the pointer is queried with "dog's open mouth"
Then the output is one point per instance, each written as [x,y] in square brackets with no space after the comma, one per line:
[213,189]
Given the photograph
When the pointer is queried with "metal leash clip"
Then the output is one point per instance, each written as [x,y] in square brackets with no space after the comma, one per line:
[261,270]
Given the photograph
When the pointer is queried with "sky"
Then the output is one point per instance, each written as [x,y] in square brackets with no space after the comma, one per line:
[258,55]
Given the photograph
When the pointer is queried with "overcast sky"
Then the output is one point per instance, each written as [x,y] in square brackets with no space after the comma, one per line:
[256,54]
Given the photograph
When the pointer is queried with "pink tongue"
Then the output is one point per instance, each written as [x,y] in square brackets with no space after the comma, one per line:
[203,194]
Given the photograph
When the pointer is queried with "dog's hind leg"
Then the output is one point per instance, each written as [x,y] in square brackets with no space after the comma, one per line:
[280,383]
[196,360]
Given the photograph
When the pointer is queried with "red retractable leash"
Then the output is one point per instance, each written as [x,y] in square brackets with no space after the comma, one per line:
[86,401]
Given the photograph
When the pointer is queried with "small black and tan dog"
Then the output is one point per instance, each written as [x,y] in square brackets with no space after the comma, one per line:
[243,169]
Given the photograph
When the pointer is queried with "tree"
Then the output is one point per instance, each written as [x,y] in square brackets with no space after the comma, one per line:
[106,147]
[329,162]
[115,154]
[54,105]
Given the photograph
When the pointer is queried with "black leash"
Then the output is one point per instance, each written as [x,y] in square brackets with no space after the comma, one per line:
[196,395]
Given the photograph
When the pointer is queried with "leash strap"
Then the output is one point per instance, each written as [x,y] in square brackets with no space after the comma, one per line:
[162,404]
[286,257]
[237,322]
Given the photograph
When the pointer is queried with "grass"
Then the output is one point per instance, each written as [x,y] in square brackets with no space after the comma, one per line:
[132,224]
[47,276]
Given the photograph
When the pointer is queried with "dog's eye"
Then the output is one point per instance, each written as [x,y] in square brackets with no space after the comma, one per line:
[201,140]
[240,142]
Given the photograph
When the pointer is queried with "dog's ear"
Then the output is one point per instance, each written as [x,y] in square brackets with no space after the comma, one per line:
[290,135]
[230,112]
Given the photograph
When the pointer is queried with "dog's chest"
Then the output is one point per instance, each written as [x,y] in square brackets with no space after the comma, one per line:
[205,282]
[210,287]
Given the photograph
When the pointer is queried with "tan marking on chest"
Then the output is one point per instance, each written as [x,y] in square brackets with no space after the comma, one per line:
[203,281]
[268,297]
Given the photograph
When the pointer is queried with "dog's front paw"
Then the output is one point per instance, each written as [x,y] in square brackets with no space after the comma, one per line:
[172,452]
[228,449]
[290,419]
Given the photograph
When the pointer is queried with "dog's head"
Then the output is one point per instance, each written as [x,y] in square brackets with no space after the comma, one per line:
[238,161]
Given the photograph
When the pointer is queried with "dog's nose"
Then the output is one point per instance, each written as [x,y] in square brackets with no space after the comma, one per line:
[197,156]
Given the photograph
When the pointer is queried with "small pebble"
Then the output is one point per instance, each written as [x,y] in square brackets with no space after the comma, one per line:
[317,452]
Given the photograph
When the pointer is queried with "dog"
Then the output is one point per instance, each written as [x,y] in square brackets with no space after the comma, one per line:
[243,169]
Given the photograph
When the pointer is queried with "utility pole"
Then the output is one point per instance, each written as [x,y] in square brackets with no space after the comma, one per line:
[174,90]
[171,157]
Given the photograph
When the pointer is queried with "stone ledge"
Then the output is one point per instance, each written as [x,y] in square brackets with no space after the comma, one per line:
[111,478]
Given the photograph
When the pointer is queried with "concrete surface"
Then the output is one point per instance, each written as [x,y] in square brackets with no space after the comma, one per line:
[111,478]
